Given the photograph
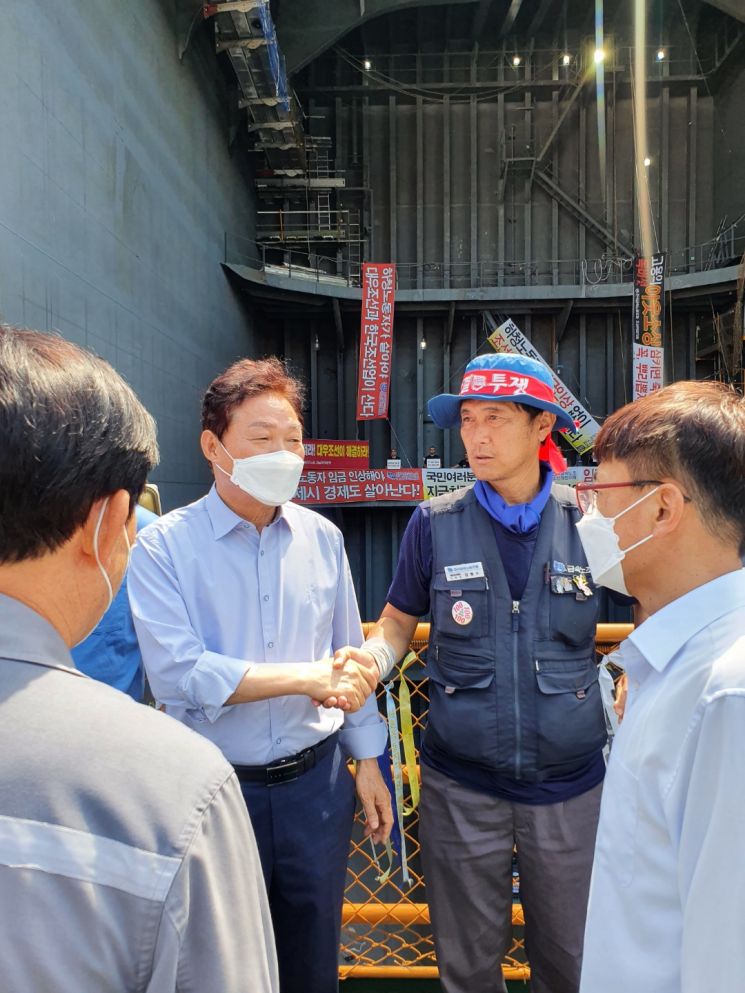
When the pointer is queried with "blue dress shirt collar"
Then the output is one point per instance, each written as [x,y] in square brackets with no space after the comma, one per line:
[661,636]
[224,520]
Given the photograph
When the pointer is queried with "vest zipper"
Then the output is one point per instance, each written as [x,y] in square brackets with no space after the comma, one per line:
[518,727]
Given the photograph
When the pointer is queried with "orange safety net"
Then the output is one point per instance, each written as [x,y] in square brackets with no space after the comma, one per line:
[385,925]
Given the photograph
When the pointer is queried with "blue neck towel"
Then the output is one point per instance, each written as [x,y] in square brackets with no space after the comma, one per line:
[520,518]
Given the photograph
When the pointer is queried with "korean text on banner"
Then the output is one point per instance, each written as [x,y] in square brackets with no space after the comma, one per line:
[648,322]
[509,338]
[576,474]
[435,482]
[376,340]
[398,485]
[360,487]
[326,453]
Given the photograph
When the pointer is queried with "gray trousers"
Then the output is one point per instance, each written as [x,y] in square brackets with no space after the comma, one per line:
[467,839]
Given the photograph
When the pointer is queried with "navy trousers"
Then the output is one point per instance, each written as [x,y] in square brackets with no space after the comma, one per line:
[303,831]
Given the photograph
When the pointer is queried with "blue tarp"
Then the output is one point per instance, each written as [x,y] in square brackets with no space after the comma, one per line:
[276,59]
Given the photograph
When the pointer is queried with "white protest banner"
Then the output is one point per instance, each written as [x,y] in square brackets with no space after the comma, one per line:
[576,474]
[435,482]
[509,338]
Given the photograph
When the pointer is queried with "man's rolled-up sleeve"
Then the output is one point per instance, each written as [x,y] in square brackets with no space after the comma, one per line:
[181,671]
[364,733]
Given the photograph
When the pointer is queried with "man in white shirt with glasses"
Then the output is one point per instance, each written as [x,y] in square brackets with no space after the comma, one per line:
[665,522]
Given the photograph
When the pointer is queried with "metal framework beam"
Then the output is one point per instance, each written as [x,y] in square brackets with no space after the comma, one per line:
[562,319]
[479,19]
[338,324]
[591,222]
[449,329]
[557,127]
[374,87]
[510,17]
[237,6]
[250,43]
[539,17]
[732,7]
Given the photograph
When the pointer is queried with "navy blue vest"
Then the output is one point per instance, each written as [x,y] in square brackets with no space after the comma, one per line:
[514,690]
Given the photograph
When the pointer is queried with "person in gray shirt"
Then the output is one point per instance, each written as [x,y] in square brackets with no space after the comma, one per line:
[127,859]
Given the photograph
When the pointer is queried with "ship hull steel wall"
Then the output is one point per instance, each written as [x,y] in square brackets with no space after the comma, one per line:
[434,171]
[116,187]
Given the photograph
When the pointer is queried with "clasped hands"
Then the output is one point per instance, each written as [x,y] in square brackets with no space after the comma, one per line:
[345,681]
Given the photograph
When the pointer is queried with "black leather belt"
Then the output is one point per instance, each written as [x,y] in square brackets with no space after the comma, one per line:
[289,769]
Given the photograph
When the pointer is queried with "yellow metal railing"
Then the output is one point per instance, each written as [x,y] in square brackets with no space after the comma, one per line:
[385,925]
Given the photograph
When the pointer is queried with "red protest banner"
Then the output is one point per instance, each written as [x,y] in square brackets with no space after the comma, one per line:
[376,340]
[360,487]
[325,453]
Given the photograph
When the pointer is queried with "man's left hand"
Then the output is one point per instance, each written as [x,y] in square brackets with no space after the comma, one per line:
[622,689]
[375,799]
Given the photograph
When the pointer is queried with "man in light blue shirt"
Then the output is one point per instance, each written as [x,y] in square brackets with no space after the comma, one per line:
[239,601]
[665,521]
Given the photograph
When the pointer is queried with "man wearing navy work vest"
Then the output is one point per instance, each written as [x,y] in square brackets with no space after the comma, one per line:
[512,754]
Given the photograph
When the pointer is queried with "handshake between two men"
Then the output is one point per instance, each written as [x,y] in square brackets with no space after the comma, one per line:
[356,671]
[344,681]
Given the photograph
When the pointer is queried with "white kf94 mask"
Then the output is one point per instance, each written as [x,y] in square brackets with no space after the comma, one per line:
[271,479]
[99,563]
[602,548]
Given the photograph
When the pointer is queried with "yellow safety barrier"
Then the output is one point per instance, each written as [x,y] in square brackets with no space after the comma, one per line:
[385,925]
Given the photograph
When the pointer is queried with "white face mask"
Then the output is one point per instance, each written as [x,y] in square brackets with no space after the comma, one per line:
[103,572]
[602,548]
[271,479]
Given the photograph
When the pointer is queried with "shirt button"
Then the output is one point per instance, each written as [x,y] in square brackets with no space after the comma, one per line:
[270,644]
[278,741]
[266,597]
[261,552]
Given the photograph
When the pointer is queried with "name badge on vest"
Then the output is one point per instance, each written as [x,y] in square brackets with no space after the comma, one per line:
[462,612]
[466,570]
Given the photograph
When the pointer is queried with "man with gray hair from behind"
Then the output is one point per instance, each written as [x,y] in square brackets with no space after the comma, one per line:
[665,521]
[127,860]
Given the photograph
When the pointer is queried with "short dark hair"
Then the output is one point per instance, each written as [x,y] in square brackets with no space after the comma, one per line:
[693,432]
[71,432]
[530,410]
[243,380]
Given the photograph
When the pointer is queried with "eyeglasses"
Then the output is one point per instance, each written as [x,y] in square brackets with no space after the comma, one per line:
[587,492]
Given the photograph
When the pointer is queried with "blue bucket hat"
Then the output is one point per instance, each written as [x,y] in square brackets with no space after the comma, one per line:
[503,376]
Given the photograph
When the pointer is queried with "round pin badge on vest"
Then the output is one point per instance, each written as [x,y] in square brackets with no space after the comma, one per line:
[462,612]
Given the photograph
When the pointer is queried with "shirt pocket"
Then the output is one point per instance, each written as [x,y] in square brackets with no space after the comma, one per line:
[460,608]
[615,850]
[316,616]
